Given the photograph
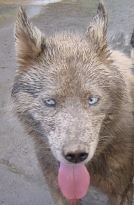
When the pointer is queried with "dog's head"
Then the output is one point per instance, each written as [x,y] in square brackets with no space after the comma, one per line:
[67,89]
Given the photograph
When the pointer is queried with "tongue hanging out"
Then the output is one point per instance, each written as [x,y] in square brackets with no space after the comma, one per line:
[73,180]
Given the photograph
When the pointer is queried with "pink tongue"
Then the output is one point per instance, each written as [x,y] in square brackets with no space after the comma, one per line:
[73,180]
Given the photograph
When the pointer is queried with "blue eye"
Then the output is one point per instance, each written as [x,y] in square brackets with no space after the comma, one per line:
[50,102]
[93,100]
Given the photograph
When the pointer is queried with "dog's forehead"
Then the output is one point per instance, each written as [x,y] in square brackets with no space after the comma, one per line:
[73,69]
[71,77]
[68,53]
[68,44]
[73,64]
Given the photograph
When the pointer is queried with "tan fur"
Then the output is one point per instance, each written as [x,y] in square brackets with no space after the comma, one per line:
[71,69]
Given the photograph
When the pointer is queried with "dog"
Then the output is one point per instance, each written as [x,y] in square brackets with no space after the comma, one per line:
[75,97]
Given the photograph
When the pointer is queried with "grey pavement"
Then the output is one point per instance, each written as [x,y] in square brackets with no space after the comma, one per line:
[21,181]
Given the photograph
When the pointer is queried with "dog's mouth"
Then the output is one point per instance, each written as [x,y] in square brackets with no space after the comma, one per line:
[73,180]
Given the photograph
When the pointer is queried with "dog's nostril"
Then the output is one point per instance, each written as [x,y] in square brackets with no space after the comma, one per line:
[76,157]
[69,156]
[83,156]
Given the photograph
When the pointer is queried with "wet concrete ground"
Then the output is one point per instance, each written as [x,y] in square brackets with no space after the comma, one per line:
[21,181]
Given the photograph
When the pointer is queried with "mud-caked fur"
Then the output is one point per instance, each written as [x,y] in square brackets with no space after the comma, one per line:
[73,93]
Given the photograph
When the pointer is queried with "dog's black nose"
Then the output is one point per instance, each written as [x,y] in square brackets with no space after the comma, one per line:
[76,157]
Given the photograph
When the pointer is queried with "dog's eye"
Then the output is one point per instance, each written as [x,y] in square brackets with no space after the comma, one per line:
[50,102]
[93,100]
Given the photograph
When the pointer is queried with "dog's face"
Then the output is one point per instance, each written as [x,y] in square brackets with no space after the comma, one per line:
[66,88]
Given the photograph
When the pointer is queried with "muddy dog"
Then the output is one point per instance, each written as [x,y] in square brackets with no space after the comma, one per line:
[74,96]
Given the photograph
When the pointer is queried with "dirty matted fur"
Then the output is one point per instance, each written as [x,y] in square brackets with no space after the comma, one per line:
[73,93]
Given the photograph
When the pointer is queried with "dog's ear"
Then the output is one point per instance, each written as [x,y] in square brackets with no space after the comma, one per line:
[97,30]
[30,42]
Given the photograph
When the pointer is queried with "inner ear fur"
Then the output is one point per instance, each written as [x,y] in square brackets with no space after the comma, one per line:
[97,31]
[29,40]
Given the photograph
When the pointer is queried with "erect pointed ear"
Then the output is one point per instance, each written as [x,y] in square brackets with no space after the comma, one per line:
[29,40]
[97,29]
